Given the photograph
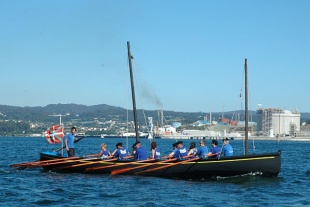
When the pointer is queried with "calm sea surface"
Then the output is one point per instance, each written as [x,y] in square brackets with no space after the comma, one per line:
[34,187]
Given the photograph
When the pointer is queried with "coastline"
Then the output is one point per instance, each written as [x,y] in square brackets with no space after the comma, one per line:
[276,139]
[241,138]
[306,139]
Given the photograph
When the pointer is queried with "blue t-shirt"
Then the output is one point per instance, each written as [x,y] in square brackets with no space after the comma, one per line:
[70,140]
[156,154]
[202,151]
[120,153]
[104,153]
[180,153]
[228,150]
[215,150]
[141,154]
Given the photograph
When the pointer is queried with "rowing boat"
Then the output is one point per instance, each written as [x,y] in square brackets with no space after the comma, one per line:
[266,164]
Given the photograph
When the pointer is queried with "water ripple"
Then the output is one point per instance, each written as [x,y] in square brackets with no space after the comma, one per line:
[35,187]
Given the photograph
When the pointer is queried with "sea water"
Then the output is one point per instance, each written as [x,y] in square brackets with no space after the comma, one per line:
[35,187]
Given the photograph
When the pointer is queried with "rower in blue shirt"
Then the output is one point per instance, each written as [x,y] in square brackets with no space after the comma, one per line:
[171,155]
[227,148]
[215,150]
[141,152]
[181,152]
[103,154]
[119,152]
[203,150]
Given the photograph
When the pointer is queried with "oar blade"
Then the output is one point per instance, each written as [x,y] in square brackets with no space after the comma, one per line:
[120,171]
[43,161]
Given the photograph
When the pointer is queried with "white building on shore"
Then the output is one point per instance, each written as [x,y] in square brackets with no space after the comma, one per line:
[277,122]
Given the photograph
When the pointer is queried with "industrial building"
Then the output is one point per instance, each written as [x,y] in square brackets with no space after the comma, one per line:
[277,122]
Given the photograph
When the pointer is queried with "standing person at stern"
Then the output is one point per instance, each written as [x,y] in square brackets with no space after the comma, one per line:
[69,142]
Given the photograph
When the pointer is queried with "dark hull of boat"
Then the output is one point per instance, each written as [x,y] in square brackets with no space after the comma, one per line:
[268,165]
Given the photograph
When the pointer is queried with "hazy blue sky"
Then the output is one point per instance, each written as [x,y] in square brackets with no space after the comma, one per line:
[189,55]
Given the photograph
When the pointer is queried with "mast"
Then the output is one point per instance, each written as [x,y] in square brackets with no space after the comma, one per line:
[246,108]
[133,92]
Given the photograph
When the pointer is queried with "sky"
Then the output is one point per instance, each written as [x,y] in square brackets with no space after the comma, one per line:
[188,55]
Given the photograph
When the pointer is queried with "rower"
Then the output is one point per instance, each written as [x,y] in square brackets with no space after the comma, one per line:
[171,155]
[103,154]
[119,152]
[154,150]
[227,148]
[203,149]
[181,151]
[215,150]
[141,153]
[192,149]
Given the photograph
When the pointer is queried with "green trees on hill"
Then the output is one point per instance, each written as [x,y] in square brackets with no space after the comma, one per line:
[9,127]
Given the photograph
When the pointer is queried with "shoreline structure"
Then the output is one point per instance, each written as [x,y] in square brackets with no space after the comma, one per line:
[184,137]
[242,138]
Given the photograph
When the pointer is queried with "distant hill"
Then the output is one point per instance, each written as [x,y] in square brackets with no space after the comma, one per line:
[84,113]
[40,114]
[305,116]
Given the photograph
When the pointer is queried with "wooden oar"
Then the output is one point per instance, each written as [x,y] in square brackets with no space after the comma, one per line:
[167,157]
[86,160]
[38,163]
[121,164]
[44,161]
[171,157]
[57,163]
[83,164]
[120,171]
[166,166]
